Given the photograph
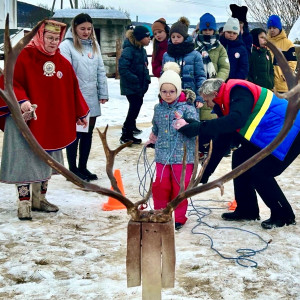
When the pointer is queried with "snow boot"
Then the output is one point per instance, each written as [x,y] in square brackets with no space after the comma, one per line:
[127,136]
[39,201]
[24,201]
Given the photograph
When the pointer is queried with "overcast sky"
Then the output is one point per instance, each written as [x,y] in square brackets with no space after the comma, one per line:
[151,10]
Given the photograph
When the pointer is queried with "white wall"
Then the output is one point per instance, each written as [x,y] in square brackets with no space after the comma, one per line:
[8,6]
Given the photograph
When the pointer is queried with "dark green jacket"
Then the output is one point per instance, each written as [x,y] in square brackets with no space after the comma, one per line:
[261,70]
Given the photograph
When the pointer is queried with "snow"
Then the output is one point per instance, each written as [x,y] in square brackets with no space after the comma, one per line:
[80,252]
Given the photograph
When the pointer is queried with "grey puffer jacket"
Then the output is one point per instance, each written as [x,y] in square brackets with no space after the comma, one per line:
[169,144]
[89,69]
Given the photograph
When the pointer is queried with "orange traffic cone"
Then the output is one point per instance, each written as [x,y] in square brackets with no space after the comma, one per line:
[232,205]
[112,203]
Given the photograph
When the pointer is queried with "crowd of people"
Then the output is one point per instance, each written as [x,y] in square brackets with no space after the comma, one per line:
[212,84]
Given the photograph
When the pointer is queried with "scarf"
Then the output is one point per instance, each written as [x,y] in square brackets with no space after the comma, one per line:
[204,44]
[38,39]
[180,50]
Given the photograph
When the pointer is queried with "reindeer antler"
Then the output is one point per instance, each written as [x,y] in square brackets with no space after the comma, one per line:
[132,209]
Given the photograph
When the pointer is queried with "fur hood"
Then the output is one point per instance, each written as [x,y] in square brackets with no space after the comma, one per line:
[132,39]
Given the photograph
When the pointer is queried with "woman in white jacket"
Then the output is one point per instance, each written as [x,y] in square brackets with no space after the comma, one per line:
[81,48]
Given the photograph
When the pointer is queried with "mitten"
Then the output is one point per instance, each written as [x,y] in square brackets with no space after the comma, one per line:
[191,129]
[30,114]
[152,140]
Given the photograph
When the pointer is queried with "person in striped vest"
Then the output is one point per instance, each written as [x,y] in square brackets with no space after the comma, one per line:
[256,115]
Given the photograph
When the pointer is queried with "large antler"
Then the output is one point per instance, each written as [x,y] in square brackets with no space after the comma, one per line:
[293,97]
[133,209]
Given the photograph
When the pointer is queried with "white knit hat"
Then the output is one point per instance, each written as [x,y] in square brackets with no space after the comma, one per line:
[171,75]
[233,25]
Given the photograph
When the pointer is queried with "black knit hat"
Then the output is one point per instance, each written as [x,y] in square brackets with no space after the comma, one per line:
[181,27]
[141,32]
[255,33]
[239,12]
[82,18]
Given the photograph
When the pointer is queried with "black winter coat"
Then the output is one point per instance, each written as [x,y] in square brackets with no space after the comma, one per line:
[133,67]
[238,57]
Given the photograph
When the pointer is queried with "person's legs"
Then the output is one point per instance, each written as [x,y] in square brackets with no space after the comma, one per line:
[161,187]
[135,104]
[71,151]
[85,145]
[181,209]
[267,187]
[245,195]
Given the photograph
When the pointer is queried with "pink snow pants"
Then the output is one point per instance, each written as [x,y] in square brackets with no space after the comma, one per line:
[167,185]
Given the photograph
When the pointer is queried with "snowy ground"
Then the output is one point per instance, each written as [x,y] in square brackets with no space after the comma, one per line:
[80,252]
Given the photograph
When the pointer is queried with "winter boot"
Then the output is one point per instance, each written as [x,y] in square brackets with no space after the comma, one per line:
[24,201]
[39,201]
[127,136]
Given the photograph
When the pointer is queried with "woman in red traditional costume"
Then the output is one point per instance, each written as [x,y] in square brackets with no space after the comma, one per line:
[42,77]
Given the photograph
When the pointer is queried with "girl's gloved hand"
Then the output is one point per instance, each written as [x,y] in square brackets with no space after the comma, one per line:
[177,124]
[191,128]
[152,140]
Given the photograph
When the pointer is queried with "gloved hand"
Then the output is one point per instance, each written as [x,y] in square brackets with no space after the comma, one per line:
[30,114]
[152,140]
[191,129]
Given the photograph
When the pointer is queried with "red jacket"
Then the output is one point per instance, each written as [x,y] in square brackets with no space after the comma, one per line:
[157,60]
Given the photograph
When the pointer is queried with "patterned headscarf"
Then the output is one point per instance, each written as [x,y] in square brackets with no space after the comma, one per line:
[49,26]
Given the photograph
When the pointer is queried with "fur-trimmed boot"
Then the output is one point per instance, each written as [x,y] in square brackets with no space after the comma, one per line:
[24,201]
[39,201]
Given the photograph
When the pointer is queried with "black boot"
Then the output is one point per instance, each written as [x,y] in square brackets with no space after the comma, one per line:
[274,222]
[127,136]
[137,131]
[238,216]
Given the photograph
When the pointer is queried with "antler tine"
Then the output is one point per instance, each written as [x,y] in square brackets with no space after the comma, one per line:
[183,170]
[11,54]
[205,163]
[196,164]
[289,75]
[110,157]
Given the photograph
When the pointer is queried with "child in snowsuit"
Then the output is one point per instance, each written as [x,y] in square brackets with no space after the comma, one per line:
[181,50]
[160,31]
[169,144]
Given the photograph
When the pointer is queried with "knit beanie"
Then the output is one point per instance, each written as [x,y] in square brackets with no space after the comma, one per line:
[141,32]
[255,33]
[82,18]
[274,21]
[181,27]
[207,21]
[171,75]
[239,12]
[233,25]
[160,24]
